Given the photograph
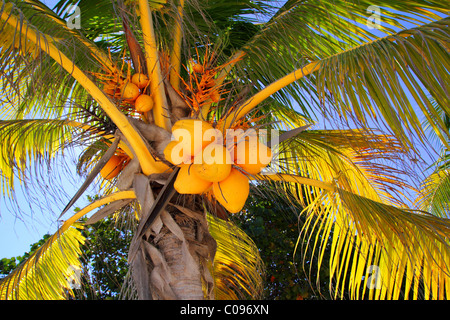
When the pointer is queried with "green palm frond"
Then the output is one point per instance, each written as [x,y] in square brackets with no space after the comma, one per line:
[368,81]
[362,78]
[237,267]
[31,80]
[434,195]
[47,273]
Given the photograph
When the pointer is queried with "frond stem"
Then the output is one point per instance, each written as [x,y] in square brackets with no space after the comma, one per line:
[296,179]
[121,195]
[252,102]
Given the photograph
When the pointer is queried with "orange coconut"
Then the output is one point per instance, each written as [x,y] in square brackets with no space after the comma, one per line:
[110,88]
[198,68]
[130,91]
[191,133]
[140,80]
[233,191]
[213,163]
[214,96]
[252,155]
[175,154]
[112,168]
[143,103]
[187,182]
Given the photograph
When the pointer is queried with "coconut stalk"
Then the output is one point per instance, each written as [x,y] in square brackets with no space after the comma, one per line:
[296,179]
[160,109]
[175,56]
[221,78]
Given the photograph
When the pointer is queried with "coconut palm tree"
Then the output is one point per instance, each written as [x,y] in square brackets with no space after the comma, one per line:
[120,87]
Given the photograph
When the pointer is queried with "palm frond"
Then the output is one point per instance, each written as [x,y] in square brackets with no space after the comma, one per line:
[30,79]
[362,162]
[409,250]
[358,218]
[237,267]
[407,243]
[375,74]
[29,141]
[351,84]
[47,273]
[434,195]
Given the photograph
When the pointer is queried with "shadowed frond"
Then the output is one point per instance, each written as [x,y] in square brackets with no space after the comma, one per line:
[48,272]
[237,267]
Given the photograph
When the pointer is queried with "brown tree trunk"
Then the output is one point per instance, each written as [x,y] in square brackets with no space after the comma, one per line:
[172,259]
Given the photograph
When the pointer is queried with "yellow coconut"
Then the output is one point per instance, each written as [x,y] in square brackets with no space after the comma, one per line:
[187,182]
[112,168]
[252,155]
[130,92]
[143,103]
[232,192]
[175,154]
[191,133]
[140,80]
[213,163]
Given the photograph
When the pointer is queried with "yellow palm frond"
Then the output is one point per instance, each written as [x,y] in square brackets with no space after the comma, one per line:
[378,251]
[354,160]
[349,192]
[28,141]
[237,267]
[46,274]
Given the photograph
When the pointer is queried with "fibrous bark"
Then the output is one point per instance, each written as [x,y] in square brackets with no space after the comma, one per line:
[170,259]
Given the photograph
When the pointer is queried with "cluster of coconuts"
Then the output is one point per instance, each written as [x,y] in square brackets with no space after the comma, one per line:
[210,165]
[131,92]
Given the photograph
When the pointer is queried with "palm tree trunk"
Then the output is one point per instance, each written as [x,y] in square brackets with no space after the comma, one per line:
[171,260]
